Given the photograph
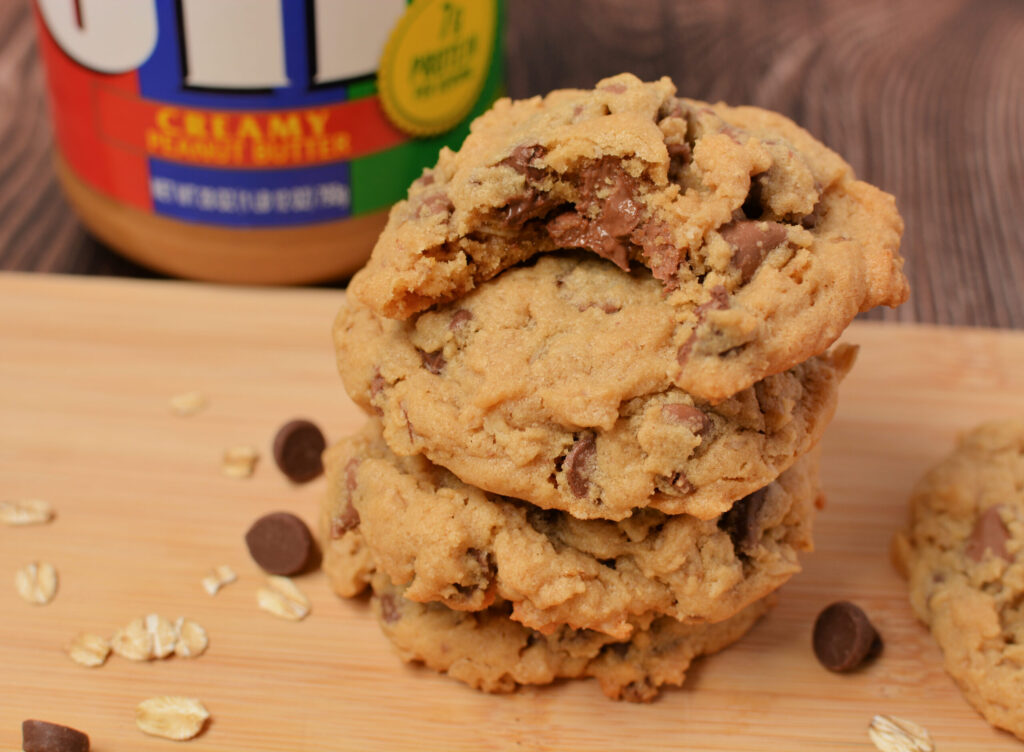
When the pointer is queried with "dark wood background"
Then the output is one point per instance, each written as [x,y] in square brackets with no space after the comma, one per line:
[924,97]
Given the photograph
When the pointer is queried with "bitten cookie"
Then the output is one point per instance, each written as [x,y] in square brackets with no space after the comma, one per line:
[764,243]
[548,384]
[450,542]
[964,557]
[490,652]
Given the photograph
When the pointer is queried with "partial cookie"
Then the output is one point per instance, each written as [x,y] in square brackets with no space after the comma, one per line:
[490,652]
[765,244]
[546,385]
[964,557]
[450,542]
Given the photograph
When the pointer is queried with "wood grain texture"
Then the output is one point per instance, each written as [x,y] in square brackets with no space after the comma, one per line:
[143,512]
[924,97]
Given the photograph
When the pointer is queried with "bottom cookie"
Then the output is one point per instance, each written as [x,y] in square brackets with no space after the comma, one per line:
[488,651]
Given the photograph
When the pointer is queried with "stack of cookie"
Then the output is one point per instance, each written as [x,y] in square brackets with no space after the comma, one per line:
[593,344]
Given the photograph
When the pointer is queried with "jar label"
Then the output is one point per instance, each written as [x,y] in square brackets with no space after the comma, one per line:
[264,113]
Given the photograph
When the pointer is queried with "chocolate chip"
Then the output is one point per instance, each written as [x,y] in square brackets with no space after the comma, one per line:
[741,521]
[810,221]
[580,464]
[389,609]
[528,205]
[687,415]
[660,252]
[614,88]
[989,533]
[280,543]
[572,230]
[298,447]
[432,361]
[719,301]
[40,736]
[438,203]
[347,520]
[460,317]
[751,241]
[844,637]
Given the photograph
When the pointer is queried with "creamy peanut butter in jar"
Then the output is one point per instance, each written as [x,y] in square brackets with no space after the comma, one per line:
[258,141]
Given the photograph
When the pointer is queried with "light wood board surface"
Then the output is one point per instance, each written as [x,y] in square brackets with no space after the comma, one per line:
[86,370]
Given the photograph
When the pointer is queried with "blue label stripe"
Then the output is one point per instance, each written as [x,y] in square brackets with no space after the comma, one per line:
[251,198]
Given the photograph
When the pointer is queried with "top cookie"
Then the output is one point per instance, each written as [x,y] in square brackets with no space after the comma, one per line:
[964,556]
[765,244]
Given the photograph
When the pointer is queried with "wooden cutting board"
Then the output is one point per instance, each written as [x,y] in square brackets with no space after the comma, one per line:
[86,370]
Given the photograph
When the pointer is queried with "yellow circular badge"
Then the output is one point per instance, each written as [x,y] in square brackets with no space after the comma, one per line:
[435,63]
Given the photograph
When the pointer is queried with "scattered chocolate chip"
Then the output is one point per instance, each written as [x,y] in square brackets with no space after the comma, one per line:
[432,361]
[280,543]
[580,463]
[692,417]
[40,736]
[741,521]
[389,609]
[460,317]
[844,637]
[298,447]
[989,533]
[752,240]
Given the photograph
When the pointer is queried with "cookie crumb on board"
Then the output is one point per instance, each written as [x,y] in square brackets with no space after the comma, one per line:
[90,650]
[188,403]
[239,461]
[25,512]
[217,578]
[890,734]
[36,582]
[282,597]
[170,717]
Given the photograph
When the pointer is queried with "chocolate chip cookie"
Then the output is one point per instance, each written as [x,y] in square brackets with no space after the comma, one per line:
[761,240]
[963,554]
[450,542]
[489,651]
[548,384]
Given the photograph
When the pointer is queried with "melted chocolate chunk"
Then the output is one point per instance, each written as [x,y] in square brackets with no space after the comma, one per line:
[389,611]
[347,520]
[751,241]
[742,524]
[571,230]
[661,255]
[692,417]
[432,361]
[521,157]
[844,637]
[719,301]
[460,317]
[989,534]
[580,464]
[529,205]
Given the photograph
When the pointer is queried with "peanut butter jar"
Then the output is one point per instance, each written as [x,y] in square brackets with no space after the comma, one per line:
[260,142]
